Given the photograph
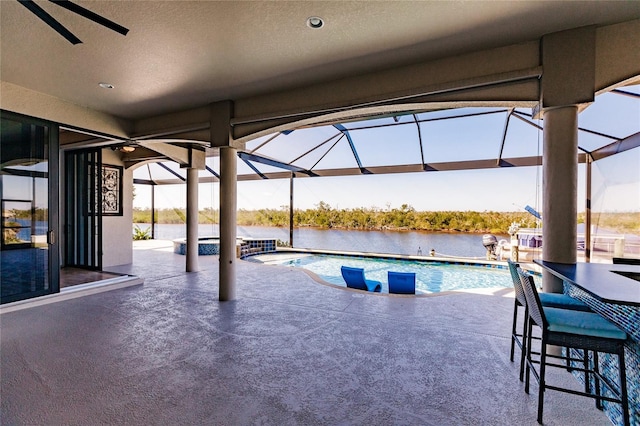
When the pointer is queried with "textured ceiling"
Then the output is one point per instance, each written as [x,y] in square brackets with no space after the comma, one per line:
[181,54]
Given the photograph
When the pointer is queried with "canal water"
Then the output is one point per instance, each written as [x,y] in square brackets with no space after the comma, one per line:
[458,244]
[393,242]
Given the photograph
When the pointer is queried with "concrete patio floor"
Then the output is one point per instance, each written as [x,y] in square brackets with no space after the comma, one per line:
[288,351]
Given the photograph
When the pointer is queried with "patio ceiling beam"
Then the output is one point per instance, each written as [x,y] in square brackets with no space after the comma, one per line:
[429,167]
[421,103]
[407,168]
[144,182]
[150,175]
[172,172]
[626,93]
[128,162]
[504,134]
[141,155]
[470,114]
[254,168]
[445,166]
[593,132]
[245,156]
[174,153]
[521,116]
[398,86]
[415,118]
[617,147]
[426,120]
[213,172]
[172,131]
[186,157]
[345,132]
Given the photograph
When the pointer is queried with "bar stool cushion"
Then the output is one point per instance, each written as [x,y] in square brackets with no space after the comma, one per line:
[558,300]
[582,323]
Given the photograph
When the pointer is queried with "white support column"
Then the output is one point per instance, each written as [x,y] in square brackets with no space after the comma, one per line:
[228,203]
[192,220]
[560,190]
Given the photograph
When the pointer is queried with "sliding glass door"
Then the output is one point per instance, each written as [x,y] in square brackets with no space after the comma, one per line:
[29,264]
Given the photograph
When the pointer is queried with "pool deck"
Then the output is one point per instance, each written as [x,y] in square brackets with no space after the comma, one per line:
[288,351]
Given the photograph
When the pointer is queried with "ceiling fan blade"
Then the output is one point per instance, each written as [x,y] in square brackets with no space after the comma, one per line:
[49,20]
[86,13]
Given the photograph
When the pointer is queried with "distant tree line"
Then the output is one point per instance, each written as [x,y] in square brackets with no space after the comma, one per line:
[404,218]
[39,214]
[326,217]
[372,218]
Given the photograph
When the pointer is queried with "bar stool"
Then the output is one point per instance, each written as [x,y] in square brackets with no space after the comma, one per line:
[574,330]
[554,300]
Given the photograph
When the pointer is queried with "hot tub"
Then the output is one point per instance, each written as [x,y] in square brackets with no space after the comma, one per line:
[207,246]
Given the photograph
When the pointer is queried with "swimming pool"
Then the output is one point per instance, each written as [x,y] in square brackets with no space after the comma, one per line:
[431,277]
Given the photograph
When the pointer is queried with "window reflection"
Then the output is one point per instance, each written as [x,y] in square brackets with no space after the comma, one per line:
[24,200]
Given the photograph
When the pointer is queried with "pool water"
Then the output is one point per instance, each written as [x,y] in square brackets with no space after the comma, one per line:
[431,277]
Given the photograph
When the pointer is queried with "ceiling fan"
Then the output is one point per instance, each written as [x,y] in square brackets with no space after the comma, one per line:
[85,13]
[130,145]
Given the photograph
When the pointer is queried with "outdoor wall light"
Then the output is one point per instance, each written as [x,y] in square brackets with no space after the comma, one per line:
[315,22]
[106,85]
[123,148]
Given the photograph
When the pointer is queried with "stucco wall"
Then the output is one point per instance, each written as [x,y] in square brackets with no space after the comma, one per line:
[116,230]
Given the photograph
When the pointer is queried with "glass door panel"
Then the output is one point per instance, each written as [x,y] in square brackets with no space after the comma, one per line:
[25,250]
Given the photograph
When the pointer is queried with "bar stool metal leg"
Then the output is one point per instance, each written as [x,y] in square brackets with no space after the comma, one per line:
[596,368]
[525,344]
[513,328]
[541,382]
[585,365]
[623,387]
[527,378]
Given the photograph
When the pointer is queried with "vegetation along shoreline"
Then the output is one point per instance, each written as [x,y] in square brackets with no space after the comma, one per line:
[375,219]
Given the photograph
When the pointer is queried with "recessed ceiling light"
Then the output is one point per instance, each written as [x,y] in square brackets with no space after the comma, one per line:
[106,85]
[315,22]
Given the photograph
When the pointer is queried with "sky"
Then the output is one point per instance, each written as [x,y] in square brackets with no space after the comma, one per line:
[435,191]
[616,181]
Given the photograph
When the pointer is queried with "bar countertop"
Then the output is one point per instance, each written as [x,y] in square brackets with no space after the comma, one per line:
[609,283]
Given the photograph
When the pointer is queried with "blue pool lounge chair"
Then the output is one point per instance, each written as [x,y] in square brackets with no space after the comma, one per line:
[402,282]
[354,277]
